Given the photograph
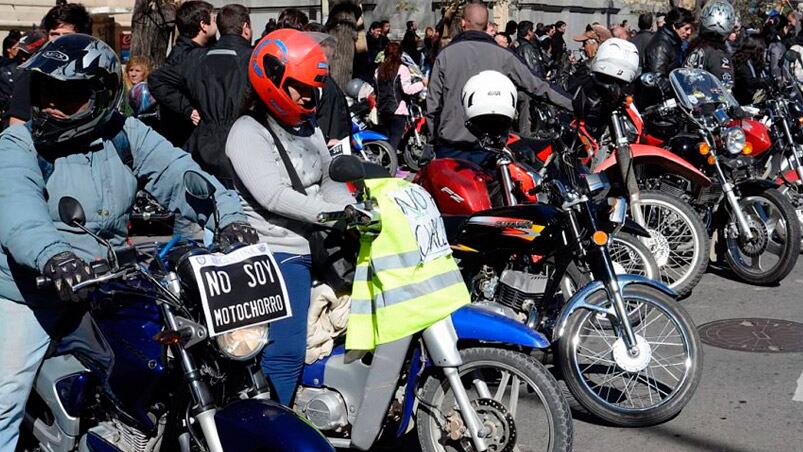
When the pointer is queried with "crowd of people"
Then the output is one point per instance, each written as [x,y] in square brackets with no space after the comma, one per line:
[259,121]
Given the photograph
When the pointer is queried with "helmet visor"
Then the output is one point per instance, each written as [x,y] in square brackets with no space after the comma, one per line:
[60,99]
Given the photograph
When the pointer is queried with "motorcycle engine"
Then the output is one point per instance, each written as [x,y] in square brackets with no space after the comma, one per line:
[520,290]
[324,408]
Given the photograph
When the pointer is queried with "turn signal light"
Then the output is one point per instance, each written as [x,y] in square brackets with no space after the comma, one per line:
[704,149]
[800,120]
[629,100]
[600,238]
[747,149]
[711,160]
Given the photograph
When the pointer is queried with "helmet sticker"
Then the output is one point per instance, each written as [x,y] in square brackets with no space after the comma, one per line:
[56,55]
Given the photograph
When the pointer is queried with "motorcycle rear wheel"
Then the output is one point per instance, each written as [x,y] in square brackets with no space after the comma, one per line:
[591,357]
[502,372]
[383,154]
[774,222]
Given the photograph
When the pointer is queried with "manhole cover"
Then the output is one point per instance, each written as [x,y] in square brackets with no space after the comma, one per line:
[754,335]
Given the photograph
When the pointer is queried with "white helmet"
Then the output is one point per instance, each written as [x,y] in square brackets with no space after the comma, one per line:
[489,102]
[616,58]
[489,93]
[718,16]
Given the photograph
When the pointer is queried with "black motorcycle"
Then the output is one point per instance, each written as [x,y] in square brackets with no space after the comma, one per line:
[628,352]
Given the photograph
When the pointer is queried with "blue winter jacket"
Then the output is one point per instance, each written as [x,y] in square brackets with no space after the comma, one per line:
[30,229]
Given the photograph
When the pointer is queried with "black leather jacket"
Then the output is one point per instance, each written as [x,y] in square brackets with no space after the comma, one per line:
[531,56]
[663,53]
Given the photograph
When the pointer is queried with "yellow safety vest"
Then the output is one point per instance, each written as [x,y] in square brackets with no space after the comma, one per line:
[406,278]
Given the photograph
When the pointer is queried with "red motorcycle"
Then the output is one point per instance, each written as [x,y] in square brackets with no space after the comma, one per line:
[756,227]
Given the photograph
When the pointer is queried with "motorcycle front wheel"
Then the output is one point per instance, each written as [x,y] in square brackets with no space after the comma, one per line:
[773,251]
[630,256]
[412,151]
[513,394]
[679,241]
[381,153]
[632,391]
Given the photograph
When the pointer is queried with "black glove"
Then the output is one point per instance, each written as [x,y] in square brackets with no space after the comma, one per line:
[238,233]
[66,270]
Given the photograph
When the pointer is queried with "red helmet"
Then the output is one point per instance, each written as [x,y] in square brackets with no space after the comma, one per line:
[282,56]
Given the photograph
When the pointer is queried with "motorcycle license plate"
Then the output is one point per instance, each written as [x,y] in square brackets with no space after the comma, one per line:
[240,289]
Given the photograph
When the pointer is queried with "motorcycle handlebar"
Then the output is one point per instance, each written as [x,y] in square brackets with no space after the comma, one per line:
[326,217]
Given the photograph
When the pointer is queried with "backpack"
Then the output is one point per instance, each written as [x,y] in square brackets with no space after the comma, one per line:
[119,141]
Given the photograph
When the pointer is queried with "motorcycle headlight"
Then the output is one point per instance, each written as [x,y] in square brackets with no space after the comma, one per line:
[243,344]
[735,140]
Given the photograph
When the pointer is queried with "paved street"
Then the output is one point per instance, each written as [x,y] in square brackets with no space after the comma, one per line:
[744,402]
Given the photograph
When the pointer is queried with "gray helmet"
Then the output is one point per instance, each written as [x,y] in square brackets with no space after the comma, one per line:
[74,63]
[719,17]
[353,87]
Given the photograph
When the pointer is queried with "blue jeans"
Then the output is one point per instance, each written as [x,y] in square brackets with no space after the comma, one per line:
[24,344]
[283,357]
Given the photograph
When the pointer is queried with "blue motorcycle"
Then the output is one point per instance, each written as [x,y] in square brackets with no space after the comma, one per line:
[147,373]
[466,382]
[369,145]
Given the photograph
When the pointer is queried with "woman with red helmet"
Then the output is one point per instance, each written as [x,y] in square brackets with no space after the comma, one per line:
[282,203]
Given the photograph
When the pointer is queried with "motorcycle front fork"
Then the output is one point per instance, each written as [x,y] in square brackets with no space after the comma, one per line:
[602,268]
[440,340]
[733,201]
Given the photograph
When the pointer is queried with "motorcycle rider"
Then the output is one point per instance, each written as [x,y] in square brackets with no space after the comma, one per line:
[469,53]
[665,50]
[62,19]
[71,148]
[281,165]
[708,50]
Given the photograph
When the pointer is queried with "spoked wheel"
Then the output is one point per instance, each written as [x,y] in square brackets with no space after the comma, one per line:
[383,154]
[625,389]
[516,398]
[413,150]
[679,241]
[772,252]
[630,256]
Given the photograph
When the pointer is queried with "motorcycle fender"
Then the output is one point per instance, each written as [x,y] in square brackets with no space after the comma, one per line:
[474,323]
[662,158]
[579,299]
[631,227]
[263,425]
[370,135]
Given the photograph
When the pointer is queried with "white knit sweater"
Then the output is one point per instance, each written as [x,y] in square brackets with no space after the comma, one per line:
[281,215]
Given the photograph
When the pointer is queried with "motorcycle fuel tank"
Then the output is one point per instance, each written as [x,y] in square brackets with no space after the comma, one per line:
[535,228]
[458,187]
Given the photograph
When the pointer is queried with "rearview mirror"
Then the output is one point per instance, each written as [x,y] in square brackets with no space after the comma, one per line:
[198,186]
[649,79]
[791,56]
[346,168]
[71,212]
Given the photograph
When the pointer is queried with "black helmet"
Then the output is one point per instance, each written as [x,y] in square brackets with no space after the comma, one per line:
[84,62]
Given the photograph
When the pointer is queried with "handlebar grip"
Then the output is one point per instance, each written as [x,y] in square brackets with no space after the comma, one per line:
[43,282]
[326,217]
